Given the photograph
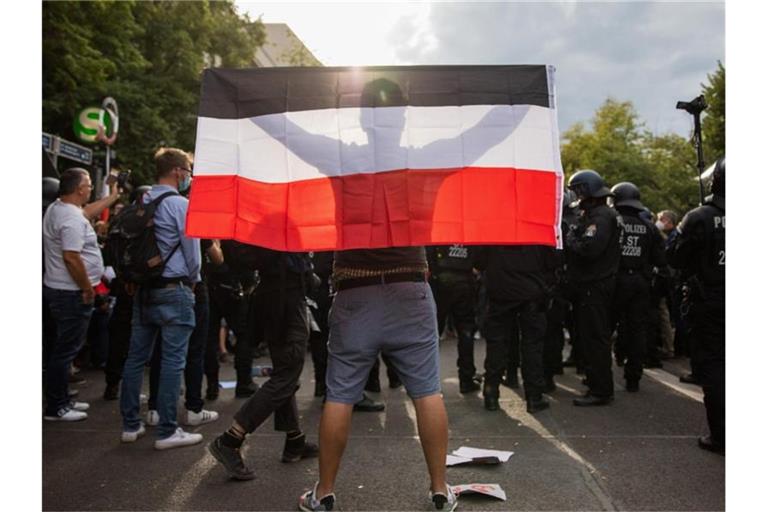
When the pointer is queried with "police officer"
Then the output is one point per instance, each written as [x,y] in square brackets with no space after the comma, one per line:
[519,280]
[558,313]
[593,259]
[454,286]
[642,249]
[699,251]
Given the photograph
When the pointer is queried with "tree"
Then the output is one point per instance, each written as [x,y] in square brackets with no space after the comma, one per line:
[713,119]
[621,149]
[148,56]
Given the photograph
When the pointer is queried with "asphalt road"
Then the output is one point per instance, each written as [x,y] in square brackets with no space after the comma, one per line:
[639,453]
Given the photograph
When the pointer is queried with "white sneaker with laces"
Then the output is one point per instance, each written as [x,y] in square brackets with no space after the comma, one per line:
[194,419]
[131,437]
[177,440]
[79,406]
[153,418]
[67,414]
[446,501]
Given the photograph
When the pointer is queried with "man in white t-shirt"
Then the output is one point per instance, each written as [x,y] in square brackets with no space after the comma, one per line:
[73,266]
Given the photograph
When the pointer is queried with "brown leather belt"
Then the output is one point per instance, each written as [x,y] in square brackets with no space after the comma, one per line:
[401,277]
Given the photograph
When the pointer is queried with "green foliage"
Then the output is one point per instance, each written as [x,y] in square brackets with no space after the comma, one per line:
[713,119]
[621,149]
[148,56]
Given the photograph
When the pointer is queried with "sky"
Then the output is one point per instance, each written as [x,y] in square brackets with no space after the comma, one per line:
[652,54]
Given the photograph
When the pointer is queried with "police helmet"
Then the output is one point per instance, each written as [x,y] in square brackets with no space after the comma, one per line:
[718,178]
[138,192]
[626,194]
[588,183]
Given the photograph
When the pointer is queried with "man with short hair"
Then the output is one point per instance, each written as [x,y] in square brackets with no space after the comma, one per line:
[164,307]
[383,304]
[73,266]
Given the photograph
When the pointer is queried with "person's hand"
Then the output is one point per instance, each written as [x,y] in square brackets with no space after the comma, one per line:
[88,296]
[114,190]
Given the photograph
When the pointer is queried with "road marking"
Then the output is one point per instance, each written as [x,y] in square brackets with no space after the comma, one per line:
[672,381]
[189,482]
[589,473]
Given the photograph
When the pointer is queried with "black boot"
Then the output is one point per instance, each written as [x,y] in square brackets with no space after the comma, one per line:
[549,384]
[230,458]
[491,397]
[468,386]
[536,404]
[298,448]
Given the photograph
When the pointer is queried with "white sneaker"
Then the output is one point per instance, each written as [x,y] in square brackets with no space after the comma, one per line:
[446,501]
[131,437]
[67,414]
[177,440]
[79,406]
[199,418]
[153,418]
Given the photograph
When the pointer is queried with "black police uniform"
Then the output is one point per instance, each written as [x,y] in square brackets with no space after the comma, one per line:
[699,251]
[593,260]
[455,289]
[519,280]
[642,248]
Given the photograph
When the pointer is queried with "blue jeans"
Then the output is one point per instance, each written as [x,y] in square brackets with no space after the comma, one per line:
[193,371]
[71,317]
[168,312]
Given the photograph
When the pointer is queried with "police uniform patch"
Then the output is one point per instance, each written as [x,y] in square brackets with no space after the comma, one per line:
[591,230]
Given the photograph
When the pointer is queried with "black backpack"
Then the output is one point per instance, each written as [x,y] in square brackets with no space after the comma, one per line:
[131,246]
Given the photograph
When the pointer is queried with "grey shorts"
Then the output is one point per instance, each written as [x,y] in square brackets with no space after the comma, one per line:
[397,319]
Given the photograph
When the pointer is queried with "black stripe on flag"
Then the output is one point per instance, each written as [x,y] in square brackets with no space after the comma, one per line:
[243,93]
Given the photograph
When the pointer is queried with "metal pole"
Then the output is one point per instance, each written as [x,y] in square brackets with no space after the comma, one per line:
[699,152]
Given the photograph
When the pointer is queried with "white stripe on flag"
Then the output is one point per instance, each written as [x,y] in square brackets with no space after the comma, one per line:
[293,146]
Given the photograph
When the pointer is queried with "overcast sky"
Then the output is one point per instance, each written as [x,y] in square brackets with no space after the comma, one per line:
[652,54]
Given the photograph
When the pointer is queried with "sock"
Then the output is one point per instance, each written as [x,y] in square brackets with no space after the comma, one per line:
[233,438]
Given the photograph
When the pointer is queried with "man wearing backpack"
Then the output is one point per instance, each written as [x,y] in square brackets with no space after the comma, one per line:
[163,306]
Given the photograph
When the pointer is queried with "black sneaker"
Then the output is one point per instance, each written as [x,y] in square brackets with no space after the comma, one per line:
[297,449]
[309,503]
[633,386]
[111,392]
[231,459]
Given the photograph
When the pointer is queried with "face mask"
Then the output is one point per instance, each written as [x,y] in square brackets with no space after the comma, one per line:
[185,183]
[660,225]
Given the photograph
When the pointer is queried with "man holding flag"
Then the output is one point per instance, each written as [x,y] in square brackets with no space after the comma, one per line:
[375,163]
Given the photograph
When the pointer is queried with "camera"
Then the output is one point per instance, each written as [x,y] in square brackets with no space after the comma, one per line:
[693,107]
[122,178]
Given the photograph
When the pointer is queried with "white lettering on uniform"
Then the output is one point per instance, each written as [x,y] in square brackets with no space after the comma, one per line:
[720,222]
[635,229]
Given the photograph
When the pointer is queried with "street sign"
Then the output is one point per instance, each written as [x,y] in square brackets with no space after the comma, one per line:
[61,147]
[87,123]
[48,142]
[75,152]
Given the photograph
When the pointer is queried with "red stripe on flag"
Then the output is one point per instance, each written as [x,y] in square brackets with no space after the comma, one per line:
[396,208]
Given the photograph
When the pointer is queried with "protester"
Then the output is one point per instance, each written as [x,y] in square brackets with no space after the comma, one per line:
[383,304]
[164,307]
[73,266]
[281,299]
